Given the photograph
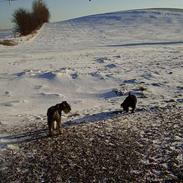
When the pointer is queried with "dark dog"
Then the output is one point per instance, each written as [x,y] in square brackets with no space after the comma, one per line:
[130,101]
[54,114]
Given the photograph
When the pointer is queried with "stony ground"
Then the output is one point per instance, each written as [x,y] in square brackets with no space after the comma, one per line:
[146,146]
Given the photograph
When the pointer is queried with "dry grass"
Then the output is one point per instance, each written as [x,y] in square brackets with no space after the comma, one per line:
[8,43]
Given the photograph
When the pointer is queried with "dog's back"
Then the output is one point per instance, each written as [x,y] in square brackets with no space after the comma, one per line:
[130,101]
[52,113]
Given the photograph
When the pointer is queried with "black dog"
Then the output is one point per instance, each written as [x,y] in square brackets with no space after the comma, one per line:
[54,115]
[130,101]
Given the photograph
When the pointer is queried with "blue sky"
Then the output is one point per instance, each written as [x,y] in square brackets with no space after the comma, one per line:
[66,9]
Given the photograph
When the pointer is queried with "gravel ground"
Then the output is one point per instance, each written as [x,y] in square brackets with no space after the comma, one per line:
[146,146]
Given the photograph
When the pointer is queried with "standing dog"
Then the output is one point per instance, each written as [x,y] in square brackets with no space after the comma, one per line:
[54,115]
[130,101]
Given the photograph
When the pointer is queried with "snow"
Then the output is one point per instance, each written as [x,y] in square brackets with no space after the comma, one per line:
[84,60]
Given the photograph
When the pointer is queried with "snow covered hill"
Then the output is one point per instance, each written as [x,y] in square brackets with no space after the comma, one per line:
[126,28]
[92,62]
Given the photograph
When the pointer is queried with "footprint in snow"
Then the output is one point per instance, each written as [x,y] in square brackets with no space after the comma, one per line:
[101,60]
[110,66]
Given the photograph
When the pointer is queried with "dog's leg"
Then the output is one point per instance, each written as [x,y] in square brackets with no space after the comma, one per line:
[50,128]
[58,126]
[133,109]
[127,109]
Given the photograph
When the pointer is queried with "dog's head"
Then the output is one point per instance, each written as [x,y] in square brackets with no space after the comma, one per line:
[65,107]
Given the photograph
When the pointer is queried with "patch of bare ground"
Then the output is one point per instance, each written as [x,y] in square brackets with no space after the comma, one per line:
[146,146]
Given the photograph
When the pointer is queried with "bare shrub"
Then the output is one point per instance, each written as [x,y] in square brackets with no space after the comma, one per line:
[40,13]
[26,22]
[23,21]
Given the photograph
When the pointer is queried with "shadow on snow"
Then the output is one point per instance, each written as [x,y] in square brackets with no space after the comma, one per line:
[146,44]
